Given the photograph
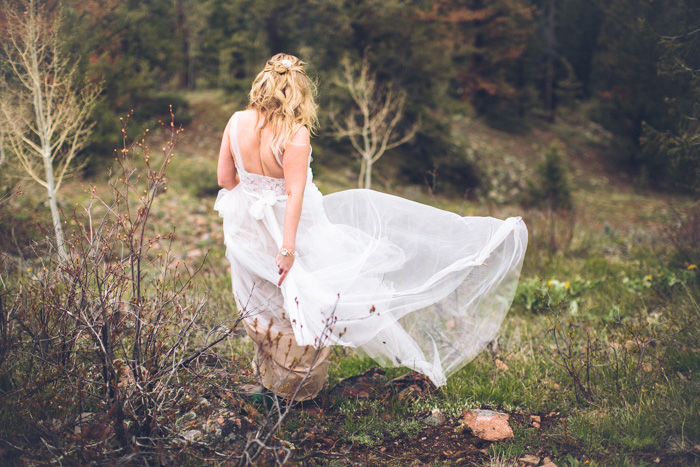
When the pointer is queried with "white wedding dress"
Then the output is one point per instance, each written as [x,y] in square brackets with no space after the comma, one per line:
[408,284]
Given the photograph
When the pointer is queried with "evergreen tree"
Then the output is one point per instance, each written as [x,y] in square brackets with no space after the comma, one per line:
[487,41]
[636,92]
[679,141]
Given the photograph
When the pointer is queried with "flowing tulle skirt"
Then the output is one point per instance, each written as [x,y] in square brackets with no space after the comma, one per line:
[408,284]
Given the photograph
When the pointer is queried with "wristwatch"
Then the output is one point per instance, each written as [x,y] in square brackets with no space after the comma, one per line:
[286,252]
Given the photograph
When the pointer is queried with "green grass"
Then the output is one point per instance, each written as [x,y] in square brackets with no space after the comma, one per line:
[370,422]
[523,442]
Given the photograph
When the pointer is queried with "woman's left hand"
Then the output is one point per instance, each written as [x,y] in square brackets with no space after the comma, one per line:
[284,263]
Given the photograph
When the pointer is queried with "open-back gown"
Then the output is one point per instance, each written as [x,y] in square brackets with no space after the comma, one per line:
[408,284]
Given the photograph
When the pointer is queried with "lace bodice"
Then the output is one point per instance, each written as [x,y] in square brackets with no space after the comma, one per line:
[261,185]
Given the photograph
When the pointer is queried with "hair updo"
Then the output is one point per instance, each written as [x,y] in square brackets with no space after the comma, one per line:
[284,95]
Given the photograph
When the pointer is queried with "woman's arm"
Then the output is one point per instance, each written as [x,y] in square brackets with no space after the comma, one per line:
[226,172]
[295,163]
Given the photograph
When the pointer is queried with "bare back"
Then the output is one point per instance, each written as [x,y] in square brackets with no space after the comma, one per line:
[256,154]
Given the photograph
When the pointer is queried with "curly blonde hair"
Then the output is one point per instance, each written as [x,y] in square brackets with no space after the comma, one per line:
[284,95]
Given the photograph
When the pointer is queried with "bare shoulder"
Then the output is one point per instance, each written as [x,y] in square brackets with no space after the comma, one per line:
[247,114]
[246,118]
[301,136]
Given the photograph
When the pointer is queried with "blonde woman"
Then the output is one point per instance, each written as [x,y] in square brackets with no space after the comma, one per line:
[407,284]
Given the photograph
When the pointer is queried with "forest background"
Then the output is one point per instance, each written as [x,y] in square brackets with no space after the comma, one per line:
[581,113]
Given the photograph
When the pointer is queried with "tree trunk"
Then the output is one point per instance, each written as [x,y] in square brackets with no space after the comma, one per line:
[56,217]
[368,175]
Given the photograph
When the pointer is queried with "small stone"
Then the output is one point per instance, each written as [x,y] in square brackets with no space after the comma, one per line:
[487,424]
[536,420]
[549,464]
[436,418]
[529,460]
[192,435]
[657,460]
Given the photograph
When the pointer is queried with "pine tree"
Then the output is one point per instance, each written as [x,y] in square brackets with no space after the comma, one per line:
[487,41]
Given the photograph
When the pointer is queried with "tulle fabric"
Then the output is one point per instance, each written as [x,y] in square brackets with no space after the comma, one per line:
[408,284]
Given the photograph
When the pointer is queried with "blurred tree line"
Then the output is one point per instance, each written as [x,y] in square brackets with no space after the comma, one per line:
[638,61]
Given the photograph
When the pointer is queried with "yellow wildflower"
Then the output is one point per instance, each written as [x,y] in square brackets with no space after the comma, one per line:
[567,285]
[649,278]
[549,283]
[692,266]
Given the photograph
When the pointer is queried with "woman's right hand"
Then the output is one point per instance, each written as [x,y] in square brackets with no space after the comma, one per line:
[284,263]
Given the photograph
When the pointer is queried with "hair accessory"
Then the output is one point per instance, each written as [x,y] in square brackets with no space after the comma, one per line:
[286,63]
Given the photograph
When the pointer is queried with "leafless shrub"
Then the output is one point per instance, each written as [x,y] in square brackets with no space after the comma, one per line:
[96,349]
[618,362]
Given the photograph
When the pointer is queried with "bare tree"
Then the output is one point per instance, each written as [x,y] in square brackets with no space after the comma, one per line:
[44,106]
[372,123]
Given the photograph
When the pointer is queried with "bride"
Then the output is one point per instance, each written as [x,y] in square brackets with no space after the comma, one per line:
[408,284]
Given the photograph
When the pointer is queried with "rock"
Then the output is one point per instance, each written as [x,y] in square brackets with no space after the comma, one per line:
[536,420]
[487,424]
[192,435]
[436,418]
[188,417]
[529,460]
[549,464]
